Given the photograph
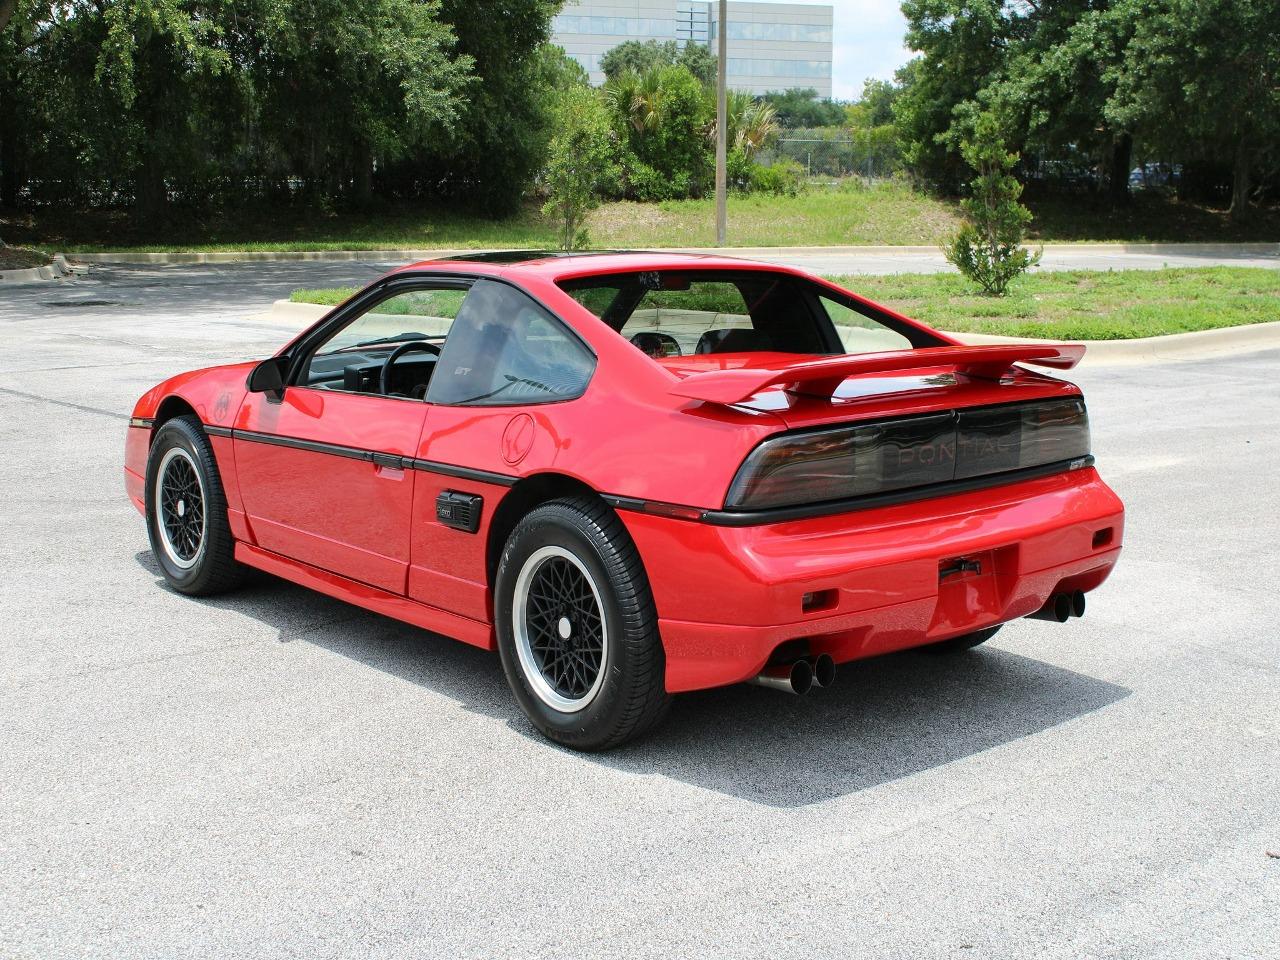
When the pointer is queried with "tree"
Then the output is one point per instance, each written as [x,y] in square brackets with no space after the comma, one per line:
[342,83]
[698,59]
[962,45]
[753,124]
[1215,66]
[802,108]
[988,248]
[581,163]
[635,56]
[877,101]
[491,153]
[663,118]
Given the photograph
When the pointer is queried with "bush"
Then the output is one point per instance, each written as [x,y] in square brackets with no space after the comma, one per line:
[580,164]
[649,185]
[988,249]
[783,178]
[739,168]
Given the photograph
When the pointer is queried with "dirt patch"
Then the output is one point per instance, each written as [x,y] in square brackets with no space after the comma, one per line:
[19,258]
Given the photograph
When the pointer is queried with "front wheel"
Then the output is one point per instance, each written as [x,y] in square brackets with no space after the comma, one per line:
[577,627]
[187,512]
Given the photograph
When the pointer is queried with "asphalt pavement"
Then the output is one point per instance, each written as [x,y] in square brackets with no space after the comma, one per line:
[276,774]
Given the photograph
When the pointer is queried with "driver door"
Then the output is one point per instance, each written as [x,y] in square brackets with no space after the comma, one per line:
[320,464]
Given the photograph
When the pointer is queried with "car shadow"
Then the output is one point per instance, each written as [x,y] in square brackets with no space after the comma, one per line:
[884,719]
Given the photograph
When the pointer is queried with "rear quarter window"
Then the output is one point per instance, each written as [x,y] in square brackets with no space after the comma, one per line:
[504,348]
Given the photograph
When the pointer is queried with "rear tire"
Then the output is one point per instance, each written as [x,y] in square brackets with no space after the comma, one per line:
[187,512]
[577,627]
[966,642]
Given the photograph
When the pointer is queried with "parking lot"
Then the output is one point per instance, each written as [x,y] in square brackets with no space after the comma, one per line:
[275,774]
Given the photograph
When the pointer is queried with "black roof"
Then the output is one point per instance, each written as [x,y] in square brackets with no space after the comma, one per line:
[524,256]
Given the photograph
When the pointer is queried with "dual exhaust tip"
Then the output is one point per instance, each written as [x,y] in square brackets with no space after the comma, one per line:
[799,676]
[802,675]
[1061,607]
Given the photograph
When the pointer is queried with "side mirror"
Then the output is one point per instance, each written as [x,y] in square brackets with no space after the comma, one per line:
[268,377]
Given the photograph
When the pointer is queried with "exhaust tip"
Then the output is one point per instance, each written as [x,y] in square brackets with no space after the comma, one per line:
[824,670]
[801,677]
[795,677]
[1077,604]
[1057,609]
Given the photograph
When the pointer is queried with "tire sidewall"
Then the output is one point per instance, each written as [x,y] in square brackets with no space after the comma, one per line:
[559,525]
[179,433]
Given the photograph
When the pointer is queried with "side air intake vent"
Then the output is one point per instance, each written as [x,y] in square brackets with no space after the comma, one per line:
[461,511]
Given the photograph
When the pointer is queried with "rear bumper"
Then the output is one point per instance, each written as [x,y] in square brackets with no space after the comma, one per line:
[727,597]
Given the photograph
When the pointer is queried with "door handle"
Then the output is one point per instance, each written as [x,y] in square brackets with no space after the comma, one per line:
[388,460]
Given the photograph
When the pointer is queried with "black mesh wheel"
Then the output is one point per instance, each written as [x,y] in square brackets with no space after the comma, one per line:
[187,512]
[577,628]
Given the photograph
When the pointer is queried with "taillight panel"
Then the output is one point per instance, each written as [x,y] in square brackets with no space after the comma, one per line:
[885,456]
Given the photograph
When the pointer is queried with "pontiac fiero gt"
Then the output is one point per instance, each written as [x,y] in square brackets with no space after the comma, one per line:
[635,474]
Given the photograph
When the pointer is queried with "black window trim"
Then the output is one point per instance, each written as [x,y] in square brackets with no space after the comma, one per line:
[303,350]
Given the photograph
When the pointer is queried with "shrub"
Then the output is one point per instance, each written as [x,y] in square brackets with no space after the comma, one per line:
[580,164]
[988,249]
[783,178]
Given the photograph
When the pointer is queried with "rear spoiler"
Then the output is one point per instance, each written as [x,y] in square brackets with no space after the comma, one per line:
[825,375]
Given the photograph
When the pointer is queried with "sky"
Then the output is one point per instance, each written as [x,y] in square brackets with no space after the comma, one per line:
[868,43]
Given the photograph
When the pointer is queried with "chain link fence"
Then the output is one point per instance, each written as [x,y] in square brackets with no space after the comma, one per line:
[840,153]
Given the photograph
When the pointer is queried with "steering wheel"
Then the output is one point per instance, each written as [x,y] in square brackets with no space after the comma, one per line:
[384,378]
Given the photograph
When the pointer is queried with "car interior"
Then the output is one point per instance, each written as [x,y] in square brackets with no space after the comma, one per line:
[486,343]
[681,312]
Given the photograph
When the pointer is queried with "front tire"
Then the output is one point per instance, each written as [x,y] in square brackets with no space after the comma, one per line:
[187,512]
[577,627]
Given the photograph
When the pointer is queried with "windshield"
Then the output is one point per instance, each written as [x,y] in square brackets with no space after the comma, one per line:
[682,313]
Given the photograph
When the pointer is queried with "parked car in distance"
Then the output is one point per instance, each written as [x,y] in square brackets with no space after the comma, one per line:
[635,474]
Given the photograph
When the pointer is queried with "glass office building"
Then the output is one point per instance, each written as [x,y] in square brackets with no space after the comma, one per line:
[772,46]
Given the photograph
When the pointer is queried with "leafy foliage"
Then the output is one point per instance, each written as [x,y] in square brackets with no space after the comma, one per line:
[197,103]
[581,164]
[1091,83]
[663,118]
[803,108]
[1213,64]
[988,248]
[634,56]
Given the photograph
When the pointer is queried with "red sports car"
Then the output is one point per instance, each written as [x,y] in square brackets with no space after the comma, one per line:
[635,474]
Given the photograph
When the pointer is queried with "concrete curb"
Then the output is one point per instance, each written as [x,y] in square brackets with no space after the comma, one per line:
[56,270]
[408,255]
[1198,345]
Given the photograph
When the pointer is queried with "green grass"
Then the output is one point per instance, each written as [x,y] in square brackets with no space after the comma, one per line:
[329,296]
[886,214]
[1083,304]
[1077,305]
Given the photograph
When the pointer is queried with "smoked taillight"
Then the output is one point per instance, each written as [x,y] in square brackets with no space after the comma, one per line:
[886,456]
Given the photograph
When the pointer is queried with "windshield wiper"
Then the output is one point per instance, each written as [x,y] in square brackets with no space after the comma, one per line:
[394,338]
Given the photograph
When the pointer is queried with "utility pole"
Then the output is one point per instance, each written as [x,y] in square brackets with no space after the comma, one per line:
[722,124]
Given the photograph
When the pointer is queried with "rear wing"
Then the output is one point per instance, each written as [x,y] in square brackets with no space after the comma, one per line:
[824,376]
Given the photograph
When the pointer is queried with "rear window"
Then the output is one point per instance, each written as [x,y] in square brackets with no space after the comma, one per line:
[680,313]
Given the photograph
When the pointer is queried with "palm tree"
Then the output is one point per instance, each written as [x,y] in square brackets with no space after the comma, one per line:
[752,123]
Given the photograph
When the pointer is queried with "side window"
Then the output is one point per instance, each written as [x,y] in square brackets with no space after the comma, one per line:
[352,358]
[861,334]
[504,348]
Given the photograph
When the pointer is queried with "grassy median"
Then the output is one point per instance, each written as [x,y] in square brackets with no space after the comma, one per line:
[888,213]
[1085,304]
[1076,305]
